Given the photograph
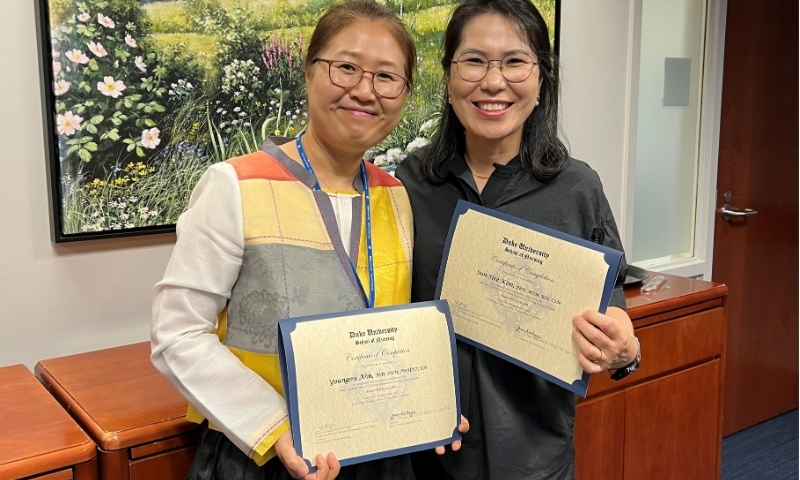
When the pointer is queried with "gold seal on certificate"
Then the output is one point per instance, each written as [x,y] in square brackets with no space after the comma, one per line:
[371,383]
[513,287]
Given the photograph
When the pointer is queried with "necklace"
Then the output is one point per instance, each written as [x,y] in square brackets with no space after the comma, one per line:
[482,177]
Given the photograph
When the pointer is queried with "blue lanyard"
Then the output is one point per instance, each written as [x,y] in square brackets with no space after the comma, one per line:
[368,211]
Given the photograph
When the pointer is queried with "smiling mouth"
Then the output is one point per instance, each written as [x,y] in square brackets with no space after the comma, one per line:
[492,107]
[359,111]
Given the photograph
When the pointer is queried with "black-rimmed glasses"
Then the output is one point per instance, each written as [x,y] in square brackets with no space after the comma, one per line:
[348,75]
[515,67]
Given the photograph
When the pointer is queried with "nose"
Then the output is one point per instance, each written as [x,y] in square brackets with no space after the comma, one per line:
[363,90]
[494,79]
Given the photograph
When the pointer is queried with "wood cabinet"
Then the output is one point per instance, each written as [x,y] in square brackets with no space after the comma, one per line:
[38,439]
[665,420]
[133,414]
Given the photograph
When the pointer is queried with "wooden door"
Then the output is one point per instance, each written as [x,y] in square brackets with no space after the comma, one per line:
[757,256]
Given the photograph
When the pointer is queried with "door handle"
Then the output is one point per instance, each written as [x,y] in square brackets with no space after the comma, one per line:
[728,212]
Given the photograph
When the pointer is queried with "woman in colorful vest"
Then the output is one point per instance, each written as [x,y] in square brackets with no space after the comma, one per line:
[283,233]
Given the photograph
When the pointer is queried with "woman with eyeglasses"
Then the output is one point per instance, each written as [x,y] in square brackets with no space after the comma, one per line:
[285,232]
[497,146]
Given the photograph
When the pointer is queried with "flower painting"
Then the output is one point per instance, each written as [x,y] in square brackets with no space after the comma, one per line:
[141,96]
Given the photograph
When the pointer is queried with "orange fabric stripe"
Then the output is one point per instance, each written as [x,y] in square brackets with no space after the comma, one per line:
[379,178]
[260,165]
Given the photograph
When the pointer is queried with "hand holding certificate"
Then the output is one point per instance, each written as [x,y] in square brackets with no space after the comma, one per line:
[372,383]
[514,286]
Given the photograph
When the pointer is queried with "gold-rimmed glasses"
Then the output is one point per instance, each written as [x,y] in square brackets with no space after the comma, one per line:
[515,67]
[348,75]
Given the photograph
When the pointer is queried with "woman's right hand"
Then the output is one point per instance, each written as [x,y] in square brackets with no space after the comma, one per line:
[327,468]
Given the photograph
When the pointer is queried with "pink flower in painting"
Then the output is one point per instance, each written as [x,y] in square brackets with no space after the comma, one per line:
[56,68]
[150,138]
[97,49]
[105,21]
[68,123]
[130,40]
[84,17]
[60,87]
[110,87]
[76,56]
[139,62]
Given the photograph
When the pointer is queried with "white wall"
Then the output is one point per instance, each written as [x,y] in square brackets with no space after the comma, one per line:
[62,299]
[596,49]
[56,299]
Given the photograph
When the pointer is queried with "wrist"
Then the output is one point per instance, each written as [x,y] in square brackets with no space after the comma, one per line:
[631,367]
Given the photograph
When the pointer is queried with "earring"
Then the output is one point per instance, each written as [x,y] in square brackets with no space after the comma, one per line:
[537,100]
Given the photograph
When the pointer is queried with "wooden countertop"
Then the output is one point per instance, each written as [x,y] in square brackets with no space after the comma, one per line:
[36,434]
[678,295]
[117,395]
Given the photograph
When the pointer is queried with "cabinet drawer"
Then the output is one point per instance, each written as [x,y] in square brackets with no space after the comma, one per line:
[173,465]
[59,475]
[671,345]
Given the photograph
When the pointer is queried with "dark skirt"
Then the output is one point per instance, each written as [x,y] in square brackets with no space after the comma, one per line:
[218,458]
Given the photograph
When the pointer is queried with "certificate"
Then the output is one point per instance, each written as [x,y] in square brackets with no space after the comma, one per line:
[514,286]
[371,383]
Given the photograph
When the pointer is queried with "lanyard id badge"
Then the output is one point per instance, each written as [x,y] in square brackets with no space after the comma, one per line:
[368,216]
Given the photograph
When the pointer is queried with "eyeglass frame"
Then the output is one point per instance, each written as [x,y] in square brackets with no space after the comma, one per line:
[363,71]
[489,65]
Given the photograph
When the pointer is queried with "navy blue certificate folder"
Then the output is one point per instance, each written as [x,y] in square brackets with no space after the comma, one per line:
[481,250]
[371,383]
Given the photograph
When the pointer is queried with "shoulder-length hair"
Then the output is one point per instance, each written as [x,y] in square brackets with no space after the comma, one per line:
[541,152]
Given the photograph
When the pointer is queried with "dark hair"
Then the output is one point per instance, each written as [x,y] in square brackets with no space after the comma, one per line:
[541,153]
[344,14]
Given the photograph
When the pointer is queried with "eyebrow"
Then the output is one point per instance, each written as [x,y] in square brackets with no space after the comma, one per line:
[507,52]
[359,57]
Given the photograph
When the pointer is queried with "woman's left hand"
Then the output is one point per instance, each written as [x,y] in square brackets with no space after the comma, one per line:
[605,342]
[463,428]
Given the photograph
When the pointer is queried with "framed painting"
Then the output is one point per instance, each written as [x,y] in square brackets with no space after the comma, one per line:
[141,96]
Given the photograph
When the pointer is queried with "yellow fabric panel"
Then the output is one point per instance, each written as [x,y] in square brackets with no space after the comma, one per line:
[405,219]
[392,264]
[264,451]
[281,211]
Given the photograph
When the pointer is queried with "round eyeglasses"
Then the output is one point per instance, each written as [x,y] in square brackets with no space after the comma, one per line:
[348,75]
[515,67]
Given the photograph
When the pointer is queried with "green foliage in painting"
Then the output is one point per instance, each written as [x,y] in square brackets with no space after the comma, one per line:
[150,93]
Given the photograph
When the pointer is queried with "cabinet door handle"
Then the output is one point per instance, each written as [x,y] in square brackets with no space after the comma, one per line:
[728,212]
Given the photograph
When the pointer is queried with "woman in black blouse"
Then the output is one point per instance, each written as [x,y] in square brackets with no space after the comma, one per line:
[497,146]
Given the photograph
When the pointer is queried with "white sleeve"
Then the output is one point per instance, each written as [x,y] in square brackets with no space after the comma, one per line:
[196,286]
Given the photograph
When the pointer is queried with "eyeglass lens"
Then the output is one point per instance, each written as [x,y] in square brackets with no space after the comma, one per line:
[347,75]
[516,67]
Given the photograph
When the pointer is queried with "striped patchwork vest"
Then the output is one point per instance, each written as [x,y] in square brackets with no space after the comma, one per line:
[294,262]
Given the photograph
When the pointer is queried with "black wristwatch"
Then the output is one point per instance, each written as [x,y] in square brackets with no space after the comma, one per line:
[623,372]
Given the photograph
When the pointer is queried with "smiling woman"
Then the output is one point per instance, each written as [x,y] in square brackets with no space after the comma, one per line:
[497,146]
[307,227]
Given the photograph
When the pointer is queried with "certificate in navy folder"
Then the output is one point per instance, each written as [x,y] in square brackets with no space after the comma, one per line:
[513,287]
[371,383]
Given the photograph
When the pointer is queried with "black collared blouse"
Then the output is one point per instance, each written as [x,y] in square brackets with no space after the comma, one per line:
[521,425]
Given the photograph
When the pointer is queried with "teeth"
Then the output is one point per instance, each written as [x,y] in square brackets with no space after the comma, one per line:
[492,107]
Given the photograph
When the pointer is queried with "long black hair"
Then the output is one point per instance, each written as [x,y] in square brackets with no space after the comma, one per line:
[541,152]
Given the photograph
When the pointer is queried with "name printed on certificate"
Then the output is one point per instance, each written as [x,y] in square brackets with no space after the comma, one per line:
[371,383]
[513,287]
